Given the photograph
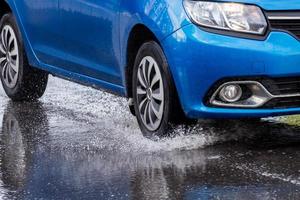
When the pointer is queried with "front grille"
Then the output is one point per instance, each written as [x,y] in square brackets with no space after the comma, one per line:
[282,103]
[287,21]
[282,86]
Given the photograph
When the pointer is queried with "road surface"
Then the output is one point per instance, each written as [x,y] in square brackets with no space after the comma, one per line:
[81,143]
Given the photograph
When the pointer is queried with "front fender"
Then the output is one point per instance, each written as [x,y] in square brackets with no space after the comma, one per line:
[162,17]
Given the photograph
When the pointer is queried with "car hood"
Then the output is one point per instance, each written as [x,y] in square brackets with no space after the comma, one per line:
[272,4]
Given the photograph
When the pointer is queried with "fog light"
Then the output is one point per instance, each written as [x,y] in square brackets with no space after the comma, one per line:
[231,93]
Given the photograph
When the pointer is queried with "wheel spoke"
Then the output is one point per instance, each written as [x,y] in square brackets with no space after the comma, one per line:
[4,70]
[11,40]
[140,79]
[2,59]
[2,49]
[151,64]
[158,114]
[7,73]
[158,94]
[146,112]
[10,73]
[14,52]
[14,67]
[141,91]
[142,103]
[13,77]
[155,79]
[150,114]
[2,39]
[144,73]
[6,39]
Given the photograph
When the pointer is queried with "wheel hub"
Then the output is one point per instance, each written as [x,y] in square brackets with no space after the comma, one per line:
[150,93]
[9,56]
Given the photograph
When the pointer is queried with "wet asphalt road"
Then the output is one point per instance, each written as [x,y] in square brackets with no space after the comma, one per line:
[80,143]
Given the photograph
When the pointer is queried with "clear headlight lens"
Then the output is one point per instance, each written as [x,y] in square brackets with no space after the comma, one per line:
[227,16]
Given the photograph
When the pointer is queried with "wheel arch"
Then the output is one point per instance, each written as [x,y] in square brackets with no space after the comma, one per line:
[157,18]
[139,35]
[4,8]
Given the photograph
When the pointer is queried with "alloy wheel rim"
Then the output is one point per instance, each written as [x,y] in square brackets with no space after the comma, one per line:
[9,56]
[150,93]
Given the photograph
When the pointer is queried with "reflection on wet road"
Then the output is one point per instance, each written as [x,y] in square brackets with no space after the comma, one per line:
[79,143]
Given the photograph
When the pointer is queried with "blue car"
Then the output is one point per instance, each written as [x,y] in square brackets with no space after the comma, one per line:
[175,60]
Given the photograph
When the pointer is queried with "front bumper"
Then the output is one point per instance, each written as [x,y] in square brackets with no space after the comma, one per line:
[199,59]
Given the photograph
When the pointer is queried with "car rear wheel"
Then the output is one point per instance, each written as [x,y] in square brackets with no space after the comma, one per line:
[155,100]
[19,80]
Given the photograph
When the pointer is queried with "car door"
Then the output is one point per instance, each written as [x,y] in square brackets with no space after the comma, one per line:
[91,38]
[41,21]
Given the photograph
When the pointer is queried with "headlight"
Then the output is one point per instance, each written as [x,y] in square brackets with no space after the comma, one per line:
[227,16]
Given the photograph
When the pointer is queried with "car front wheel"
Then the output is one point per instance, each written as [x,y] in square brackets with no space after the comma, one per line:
[154,95]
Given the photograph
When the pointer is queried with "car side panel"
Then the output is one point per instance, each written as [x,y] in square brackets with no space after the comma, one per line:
[90,39]
[52,66]
[41,23]
[162,17]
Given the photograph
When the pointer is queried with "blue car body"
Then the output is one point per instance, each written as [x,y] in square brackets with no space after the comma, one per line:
[87,41]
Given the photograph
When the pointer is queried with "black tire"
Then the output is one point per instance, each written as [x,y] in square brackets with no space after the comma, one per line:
[172,111]
[132,110]
[30,83]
